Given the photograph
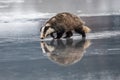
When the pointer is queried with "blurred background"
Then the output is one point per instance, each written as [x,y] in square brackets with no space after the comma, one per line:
[17,9]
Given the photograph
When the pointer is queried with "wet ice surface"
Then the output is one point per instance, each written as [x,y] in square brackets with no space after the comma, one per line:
[23,56]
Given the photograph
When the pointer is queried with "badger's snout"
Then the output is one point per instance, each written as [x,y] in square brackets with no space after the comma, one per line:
[41,38]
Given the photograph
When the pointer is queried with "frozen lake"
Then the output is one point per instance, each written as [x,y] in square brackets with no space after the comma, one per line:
[24,57]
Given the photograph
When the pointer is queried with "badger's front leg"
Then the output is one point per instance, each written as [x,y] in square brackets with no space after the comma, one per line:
[52,35]
[68,34]
[59,34]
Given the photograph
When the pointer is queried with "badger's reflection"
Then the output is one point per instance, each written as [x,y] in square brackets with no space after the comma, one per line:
[65,52]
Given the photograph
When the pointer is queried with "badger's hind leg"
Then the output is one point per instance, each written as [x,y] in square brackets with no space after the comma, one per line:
[68,34]
[80,31]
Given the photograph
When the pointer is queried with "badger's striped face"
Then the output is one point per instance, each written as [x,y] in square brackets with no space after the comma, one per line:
[46,30]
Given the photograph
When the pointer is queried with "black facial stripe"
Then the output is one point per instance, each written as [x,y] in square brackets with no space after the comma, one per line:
[46,28]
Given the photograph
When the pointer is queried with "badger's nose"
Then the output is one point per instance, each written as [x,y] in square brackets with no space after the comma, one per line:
[41,37]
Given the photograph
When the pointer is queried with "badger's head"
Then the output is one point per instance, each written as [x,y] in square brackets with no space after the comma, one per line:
[46,30]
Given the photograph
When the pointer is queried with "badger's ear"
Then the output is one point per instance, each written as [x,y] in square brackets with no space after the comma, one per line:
[47,25]
[53,19]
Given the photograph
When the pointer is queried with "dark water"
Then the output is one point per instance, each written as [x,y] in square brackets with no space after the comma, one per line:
[23,56]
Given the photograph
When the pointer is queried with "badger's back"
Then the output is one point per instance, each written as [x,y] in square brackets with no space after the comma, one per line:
[69,19]
[66,20]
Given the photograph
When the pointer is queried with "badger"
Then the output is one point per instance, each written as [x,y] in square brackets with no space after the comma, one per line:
[64,23]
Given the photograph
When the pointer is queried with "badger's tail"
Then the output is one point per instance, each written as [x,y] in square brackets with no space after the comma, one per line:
[86,29]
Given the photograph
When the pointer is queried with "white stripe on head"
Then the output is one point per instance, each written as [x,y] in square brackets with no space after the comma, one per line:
[43,29]
[49,31]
